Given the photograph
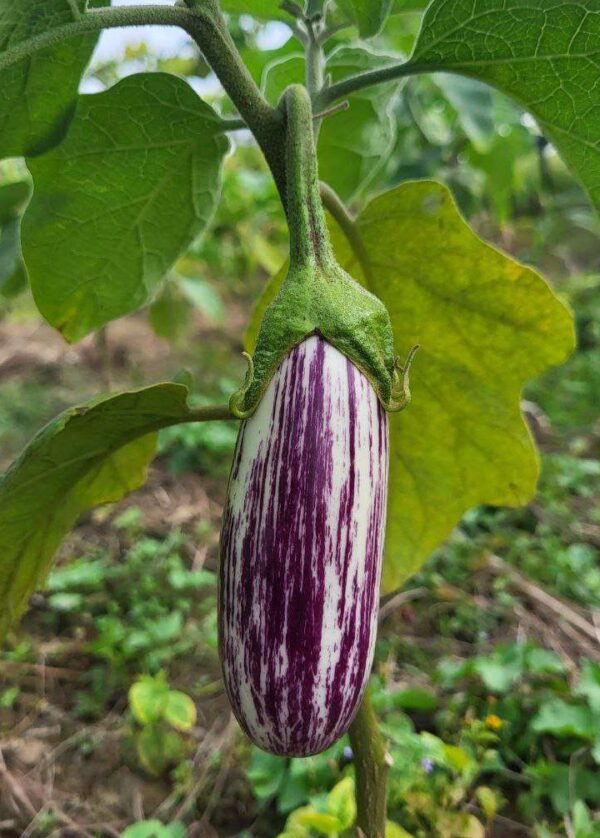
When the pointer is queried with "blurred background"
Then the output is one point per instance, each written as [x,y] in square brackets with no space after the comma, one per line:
[487,671]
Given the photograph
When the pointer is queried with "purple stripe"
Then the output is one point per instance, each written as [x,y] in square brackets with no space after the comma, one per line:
[301,552]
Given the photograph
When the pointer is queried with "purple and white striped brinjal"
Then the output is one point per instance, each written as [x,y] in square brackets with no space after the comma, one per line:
[301,552]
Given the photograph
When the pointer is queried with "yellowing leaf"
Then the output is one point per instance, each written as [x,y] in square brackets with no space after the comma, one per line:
[341,802]
[394,830]
[180,710]
[147,699]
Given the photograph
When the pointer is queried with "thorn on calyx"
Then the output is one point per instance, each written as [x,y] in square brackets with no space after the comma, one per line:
[401,396]
[236,402]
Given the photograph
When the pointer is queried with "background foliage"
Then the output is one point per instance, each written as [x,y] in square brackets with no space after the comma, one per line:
[487,672]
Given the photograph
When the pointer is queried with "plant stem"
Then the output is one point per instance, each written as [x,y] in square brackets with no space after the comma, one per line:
[208,28]
[371,763]
[210,414]
[315,63]
[93,21]
[350,85]
[309,236]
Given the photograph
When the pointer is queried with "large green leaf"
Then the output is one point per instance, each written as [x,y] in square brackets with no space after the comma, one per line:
[354,145]
[486,325]
[543,53]
[37,94]
[115,204]
[88,455]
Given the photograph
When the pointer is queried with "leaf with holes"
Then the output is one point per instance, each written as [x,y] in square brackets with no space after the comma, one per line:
[132,185]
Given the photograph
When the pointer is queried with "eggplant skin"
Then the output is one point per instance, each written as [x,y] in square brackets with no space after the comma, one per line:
[301,552]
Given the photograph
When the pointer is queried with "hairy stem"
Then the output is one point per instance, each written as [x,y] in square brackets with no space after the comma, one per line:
[315,63]
[372,763]
[208,28]
[94,21]
[350,85]
[309,237]
[210,414]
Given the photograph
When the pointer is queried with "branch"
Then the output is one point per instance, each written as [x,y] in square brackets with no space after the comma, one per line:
[209,29]
[350,85]
[94,21]
[371,764]
[209,414]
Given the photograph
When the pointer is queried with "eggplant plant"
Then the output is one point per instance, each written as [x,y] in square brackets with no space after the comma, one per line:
[125,180]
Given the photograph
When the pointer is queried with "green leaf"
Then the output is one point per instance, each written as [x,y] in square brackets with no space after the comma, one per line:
[266,773]
[486,325]
[342,804]
[37,94]
[394,830]
[368,15]
[261,9]
[474,106]
[589,684]
[542,53]
[355,144]
[562,719]
[134,182]
[171,313]
[180,710]
[204,297]
[157,749]
[320,822]
[148,699]
[155,829]
[89,455]
[13,198]
[400,6]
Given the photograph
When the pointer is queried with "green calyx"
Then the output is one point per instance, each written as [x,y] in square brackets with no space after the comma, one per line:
[318,296]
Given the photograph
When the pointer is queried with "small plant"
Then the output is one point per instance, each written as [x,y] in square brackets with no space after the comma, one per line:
[161,715]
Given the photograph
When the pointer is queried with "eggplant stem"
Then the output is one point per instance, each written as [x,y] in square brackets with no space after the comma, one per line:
[371,765]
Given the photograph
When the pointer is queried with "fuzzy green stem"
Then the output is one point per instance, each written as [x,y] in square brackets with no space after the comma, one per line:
[309,237]
[208,28]
[94,21]
[315,63]
[352,84]
[372,763]
[220,413]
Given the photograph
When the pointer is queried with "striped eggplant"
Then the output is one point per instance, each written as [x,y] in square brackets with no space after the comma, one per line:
[301,551]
